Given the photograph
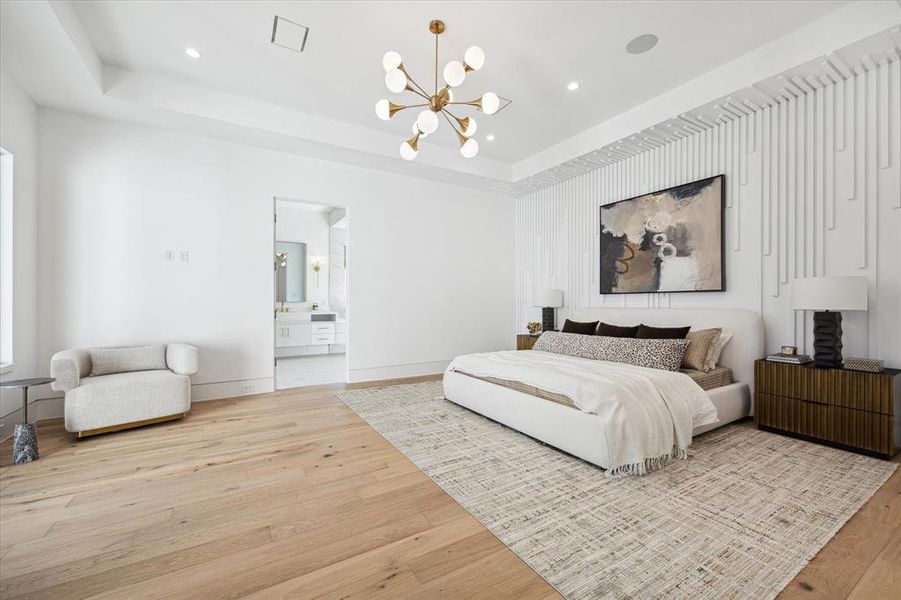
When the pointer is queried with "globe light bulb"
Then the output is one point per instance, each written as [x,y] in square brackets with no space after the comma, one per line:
[471,127]
[474,57]
[454,73]
[407,152]
[427,121]
[383,109]
[396,81]
[469,149]
[490,103]
[391,60]
[416,130]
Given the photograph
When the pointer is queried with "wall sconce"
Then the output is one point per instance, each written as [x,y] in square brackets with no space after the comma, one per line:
[317,266]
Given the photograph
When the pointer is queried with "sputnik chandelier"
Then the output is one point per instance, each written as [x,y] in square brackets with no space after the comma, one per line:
[398,80]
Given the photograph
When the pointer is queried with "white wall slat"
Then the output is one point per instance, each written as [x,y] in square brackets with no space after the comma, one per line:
[811,179]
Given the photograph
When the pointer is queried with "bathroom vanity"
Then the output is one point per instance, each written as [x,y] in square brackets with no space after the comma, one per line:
[309,332]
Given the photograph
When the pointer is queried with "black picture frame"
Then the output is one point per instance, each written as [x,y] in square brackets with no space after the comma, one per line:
[722,288]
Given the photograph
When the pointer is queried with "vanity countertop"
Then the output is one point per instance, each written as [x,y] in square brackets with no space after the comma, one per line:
[305,316]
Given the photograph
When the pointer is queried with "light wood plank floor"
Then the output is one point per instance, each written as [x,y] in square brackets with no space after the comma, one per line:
[291,495]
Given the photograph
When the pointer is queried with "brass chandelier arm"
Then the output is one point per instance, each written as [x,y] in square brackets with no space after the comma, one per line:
[410,79]
[464,122]
[448,116]
[396,108]
[477,103]
[462,138]
[456,118]
[417,92]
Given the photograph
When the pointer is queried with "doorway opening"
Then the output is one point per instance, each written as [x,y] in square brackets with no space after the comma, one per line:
[310,260]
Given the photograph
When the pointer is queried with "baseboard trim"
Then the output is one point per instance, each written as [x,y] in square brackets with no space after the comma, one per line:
[201,392]
[397,371]
[52,407]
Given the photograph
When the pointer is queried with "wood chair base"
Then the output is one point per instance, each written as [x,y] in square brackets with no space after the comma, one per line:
[121,426]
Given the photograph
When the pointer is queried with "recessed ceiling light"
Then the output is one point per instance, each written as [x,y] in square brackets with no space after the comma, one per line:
[193,52]
[641,44]
[573,86]
[490,137]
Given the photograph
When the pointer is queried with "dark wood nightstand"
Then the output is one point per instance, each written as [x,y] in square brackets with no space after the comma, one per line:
[524,341]
[854,410]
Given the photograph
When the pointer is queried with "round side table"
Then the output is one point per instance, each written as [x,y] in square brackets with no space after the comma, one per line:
[25,441]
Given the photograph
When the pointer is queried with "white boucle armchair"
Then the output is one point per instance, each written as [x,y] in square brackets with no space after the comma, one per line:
[108,389]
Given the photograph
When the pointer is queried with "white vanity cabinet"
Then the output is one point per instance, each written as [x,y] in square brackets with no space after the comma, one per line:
[292,334]
[298,335]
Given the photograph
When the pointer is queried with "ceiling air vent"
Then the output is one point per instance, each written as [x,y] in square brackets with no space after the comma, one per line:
[288,34]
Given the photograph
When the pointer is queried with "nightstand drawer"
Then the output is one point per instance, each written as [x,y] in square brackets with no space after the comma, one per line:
[853,389]
[846,426]
[525,341]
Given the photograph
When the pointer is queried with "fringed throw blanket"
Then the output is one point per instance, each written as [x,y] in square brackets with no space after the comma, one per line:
[648,414]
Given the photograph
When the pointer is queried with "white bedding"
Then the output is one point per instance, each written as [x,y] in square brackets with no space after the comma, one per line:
[647,414]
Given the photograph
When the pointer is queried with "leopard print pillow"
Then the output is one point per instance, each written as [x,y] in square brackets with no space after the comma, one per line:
[653,354]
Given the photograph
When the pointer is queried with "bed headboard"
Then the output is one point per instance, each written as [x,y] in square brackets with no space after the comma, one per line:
[745,326]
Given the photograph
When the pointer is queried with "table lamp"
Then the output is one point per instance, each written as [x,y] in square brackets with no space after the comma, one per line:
[548,300]
[828,296]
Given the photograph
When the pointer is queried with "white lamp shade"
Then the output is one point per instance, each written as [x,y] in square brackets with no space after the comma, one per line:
[383,109]
[391,60]
[396,81]
[416,130]
[407,151]
[471,127]
[490,103]
[474,57]
[454,73]
[551,298]
[469,148]
[427,121]
[830,293]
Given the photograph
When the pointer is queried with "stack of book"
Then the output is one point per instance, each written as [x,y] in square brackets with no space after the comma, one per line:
[792,359]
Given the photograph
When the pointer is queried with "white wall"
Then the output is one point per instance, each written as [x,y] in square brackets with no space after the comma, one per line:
[18,135]
[431,277]
[312,228]
[339,255]
[813,189]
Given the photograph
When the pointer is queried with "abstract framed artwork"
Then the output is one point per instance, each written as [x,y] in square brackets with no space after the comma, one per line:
[667,241]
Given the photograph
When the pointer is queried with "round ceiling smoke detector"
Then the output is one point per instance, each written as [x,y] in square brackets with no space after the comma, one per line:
[641,44]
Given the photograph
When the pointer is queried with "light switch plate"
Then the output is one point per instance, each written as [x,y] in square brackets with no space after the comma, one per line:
[169,256]
[184,256]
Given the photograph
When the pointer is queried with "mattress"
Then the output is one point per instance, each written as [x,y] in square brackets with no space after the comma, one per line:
[718,377]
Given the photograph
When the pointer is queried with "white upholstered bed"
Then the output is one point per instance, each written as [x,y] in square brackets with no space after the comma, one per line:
[577,432]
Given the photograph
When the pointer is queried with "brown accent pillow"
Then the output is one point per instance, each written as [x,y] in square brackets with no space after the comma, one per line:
[646,332]
[582,328]
[699,344]
[608,330]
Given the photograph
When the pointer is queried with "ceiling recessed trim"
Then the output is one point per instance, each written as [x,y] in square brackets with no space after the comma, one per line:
[289,34]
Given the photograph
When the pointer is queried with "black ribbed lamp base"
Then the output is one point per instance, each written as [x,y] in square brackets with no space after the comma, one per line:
[547,319]
[827,339]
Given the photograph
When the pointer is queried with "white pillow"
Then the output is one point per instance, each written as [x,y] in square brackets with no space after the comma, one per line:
[106,361]
[718,349]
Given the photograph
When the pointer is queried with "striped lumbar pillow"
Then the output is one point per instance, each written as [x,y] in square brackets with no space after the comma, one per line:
[699,345]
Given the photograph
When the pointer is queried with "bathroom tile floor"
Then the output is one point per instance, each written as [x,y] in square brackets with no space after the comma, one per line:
[298,371]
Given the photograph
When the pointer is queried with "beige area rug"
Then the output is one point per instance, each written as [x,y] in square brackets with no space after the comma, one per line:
[739,519]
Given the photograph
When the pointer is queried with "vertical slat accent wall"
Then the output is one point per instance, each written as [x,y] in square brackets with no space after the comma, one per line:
[813,188]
